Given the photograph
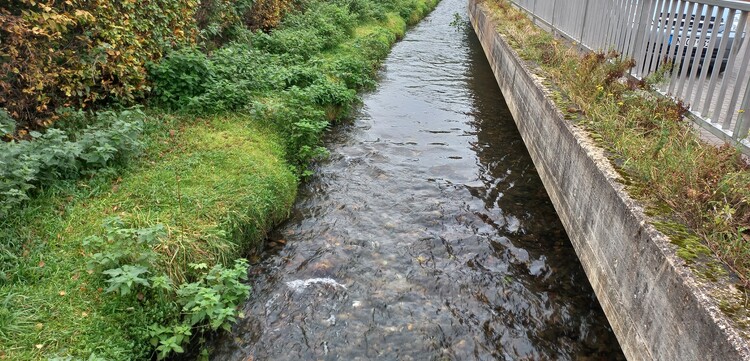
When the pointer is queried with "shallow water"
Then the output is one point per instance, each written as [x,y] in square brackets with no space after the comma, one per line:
[427,235]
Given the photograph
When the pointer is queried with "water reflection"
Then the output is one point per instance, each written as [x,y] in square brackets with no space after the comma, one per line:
[427,235]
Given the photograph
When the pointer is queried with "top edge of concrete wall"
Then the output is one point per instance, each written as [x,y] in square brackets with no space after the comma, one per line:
[655,304]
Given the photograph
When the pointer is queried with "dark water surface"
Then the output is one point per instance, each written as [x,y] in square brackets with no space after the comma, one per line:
[427,235]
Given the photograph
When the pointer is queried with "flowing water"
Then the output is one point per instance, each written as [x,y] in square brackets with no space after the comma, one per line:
[427,235]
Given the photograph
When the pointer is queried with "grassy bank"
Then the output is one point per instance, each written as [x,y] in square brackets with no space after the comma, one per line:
[697,193]
[137,257]
[216,185]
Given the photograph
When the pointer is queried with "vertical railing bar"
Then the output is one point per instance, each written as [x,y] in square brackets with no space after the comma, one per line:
[663,34]
[587,25]
[606,24]
[678,35]
[554,6]
[579,20]
[683,47]
[659,22]
[743,120]
[637,33]
[634,14]
[640,38]
[624,26]
[563,19]
[717,69]
[701,59]
[645,28]
[601,22]
[663,45]
[617,31]
[690,34]
[742,73]
[726,79]
[702,110]
[666,48]
[628,29]
[612,25]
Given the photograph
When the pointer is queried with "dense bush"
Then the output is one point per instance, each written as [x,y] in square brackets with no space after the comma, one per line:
[180,76]
[53,155]
[267,14]
[80,52]
[220,20]
[306,33]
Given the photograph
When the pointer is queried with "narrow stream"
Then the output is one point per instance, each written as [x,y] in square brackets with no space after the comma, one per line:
[427,235]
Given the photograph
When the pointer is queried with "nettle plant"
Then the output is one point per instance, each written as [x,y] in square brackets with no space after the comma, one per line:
[55,154]
[130,264]
[7,124]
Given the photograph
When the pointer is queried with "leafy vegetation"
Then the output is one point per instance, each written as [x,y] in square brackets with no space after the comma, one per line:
[94,256]
[82,54]
[649,137]
[77,53]
[125,229]
[56,154]
[127,258]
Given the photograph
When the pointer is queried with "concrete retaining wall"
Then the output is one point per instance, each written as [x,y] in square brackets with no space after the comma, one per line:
[650,297]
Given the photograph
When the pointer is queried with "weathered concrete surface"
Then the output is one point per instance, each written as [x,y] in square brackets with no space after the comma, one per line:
[652,300]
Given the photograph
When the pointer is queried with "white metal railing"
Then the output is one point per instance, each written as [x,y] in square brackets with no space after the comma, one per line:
[704,40]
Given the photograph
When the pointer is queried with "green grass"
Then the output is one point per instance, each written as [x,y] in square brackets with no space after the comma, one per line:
[217,183]
[232,179]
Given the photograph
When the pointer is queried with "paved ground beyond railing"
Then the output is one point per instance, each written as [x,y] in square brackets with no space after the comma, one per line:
[704,41]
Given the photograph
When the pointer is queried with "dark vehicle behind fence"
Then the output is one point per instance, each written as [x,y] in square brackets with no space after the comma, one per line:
[690,35]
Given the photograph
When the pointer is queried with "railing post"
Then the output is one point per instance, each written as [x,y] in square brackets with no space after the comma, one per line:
[743,118]
[643,25]
[554,7]
[583,23]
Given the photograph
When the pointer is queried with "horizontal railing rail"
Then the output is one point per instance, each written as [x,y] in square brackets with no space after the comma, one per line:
[704,41]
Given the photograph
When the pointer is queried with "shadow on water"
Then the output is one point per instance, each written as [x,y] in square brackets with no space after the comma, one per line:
[427,235]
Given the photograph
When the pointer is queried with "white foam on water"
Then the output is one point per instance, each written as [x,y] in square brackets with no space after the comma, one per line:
[299,285]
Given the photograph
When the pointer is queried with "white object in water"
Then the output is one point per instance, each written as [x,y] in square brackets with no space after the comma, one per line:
[299,285]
